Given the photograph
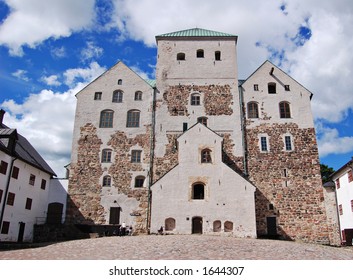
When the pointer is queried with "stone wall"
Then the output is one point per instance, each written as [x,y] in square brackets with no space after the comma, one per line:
[84,188]
[288,183]
[217,99]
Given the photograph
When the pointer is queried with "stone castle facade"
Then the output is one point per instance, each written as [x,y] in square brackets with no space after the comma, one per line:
[197,150]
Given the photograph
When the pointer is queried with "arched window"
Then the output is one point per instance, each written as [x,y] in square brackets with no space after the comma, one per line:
[202,120]
[138,95]
[169,224]
[139,181]
[117,96]
[284,110]
[195,99]
[198,191]
[253,110]
[217,225]
[133,118]
[228,226]
[217,55]
[206,156]
[120,82]
[271,87]
[106,118]
[181,56]
[106,155]
[107,181]
[200,53]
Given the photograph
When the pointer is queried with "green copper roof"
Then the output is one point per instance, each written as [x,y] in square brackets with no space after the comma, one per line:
[152,83]
[196,32]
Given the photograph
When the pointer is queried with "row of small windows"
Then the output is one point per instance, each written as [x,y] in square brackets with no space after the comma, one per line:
[107,116]
[264,144]
[284,110]
[200,54]
[11,200]
[349,176]
[139,181]
[170,224]
[136,156]
[15,173]
[271,88]
[118,96]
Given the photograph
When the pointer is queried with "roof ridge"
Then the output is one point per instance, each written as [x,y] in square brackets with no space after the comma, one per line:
[196,32]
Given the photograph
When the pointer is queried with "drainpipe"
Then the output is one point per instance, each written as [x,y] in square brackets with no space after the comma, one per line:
[152,142]
[242,123]
[6,191]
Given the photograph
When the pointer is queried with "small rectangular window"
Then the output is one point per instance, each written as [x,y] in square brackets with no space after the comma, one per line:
[136,156]
[350,176]
[29,203]
[185,126]
[15,172]
[217,55]
[264,144]
[338,183]
[1,192]
[352,205]
[286,88]
[43,184]
[106,156]
[288,142]
[340,209]
[98,96]
[5,227]
[271,88]
[3,167]
[10,199]
[32,179]
[256,87]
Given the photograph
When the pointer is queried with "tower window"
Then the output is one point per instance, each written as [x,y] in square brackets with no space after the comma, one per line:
[284,110]
[217,55]
[206,156]
[107,181]
[195,99]
[181,56]
[198,191]
[199,53]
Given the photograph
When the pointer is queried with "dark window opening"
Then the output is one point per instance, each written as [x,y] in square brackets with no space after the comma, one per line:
[120,82]
[15,172]
[5,227]
[181,56]
[169,224]
[284,110]
[202,120]
[10,199]
[98,96]
[206,156]
[185,126]
[253,110]
[286,88]
[199,53]
[43,184]
[217,55]
[3,167]
[256,87]
[139,181]
[264,144]
[32,179]
[198,191]
[28,204]
[1,192]
[271,87]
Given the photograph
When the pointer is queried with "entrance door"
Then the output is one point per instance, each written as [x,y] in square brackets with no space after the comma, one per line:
[197,225]
[114,217]
[21,232]
[271,226]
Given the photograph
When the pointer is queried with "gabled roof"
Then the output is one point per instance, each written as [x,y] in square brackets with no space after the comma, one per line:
[23,149]
[195,32]
[347,166]
[196,124]
[267,61]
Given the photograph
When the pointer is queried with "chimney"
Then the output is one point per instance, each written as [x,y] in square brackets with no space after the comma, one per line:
[2,113]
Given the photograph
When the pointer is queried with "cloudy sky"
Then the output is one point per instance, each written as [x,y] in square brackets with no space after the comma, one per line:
[49,50]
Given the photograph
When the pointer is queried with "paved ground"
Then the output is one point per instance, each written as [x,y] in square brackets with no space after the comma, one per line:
[179,247]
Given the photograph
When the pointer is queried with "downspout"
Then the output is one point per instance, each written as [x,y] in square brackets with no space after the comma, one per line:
[242,124]
[6,191]
[152,142]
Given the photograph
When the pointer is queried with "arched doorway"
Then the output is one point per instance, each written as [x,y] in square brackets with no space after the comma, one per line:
[196,225]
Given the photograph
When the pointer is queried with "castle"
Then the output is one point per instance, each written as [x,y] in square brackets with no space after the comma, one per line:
[197,150]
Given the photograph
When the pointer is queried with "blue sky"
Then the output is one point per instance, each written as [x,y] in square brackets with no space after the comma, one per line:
[48,53]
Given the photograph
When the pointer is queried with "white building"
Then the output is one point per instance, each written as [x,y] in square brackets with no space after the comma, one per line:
[24,186]
[343,179]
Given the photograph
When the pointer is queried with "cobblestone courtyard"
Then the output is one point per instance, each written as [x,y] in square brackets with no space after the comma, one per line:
[179,247]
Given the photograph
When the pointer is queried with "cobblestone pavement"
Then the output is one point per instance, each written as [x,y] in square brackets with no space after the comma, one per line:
[179,247]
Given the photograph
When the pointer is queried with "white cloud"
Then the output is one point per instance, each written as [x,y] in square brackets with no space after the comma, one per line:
[32,21]
[46,118]
[58,52]
[21,74]
[75,75]
[91,51]
[51,80]
[330,142]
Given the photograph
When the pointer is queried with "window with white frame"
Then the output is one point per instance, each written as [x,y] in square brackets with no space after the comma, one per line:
[288,143]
